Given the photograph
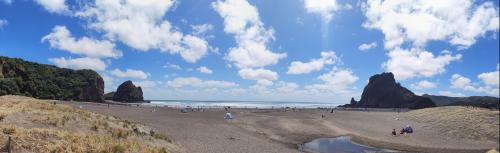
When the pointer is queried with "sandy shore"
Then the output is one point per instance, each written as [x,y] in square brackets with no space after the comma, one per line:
[277,131]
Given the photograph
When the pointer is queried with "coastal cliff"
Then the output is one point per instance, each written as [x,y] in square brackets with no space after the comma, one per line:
[19,77]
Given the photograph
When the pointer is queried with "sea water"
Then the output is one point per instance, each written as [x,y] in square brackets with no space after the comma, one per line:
[240,104]
[342,144]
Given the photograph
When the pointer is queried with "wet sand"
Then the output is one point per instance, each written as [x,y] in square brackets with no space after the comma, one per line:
[277,131]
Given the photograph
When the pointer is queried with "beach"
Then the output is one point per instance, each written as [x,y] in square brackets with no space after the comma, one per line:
[266,130]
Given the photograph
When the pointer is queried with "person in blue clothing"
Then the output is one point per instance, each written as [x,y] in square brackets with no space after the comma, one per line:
[408,129]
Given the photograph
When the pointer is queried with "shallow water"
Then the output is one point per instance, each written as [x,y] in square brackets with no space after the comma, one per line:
[342,144]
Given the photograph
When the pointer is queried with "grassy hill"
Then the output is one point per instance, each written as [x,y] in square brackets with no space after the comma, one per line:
[40,126]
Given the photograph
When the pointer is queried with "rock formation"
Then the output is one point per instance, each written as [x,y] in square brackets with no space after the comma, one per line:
[128,92]
[382,91]
[19,77]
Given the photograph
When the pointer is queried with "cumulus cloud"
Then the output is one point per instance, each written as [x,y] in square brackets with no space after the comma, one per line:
[490,78]
[79,63]
[181,82]
[61,38]
[242,20]
[411,63]
[325,8]
[142,26]
[129,73]
[335,81]
[54,6]
[459,22]
[262,76]
[204,69]
[461,82]
[424,84]
[327,58]
[365,47]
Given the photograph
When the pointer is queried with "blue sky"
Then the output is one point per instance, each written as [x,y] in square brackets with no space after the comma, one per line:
[304,50]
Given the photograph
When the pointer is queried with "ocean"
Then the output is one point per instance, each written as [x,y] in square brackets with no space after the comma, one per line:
[239,104]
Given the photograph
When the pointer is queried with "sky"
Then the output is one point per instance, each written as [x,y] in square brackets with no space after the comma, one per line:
[279,50]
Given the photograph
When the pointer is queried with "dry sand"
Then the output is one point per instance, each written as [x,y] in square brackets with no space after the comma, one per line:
[277,131]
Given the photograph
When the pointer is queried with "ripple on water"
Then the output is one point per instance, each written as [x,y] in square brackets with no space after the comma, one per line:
[342,144]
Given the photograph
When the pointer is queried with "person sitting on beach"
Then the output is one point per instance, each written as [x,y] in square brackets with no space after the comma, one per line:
[402,131]
[394,132]
[408,129]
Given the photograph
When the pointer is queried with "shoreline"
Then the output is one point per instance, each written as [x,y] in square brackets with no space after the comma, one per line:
[258,124]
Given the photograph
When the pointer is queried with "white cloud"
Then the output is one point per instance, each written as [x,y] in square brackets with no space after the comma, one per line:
[411,63]
[146,83]
[335,81]
[195,48]
[490,78]
[327,58]
[129,73]
[325,8]
[242,20]
[262,76]
[54,6]
[181,82]
[80,63]
[287,87]
[459,22]
[141,25]
[172,66]
[205,70]
[424,84]
[451,94]
[202,28]
[3,23]
[61,38]
[365,47]
[460,82]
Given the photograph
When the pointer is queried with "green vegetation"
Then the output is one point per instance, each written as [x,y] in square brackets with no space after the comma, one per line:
[19,77]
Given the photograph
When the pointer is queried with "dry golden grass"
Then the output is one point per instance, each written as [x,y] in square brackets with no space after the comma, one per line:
[461,122]
[39,126]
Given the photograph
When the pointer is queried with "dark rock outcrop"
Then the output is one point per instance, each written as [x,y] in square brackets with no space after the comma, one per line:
[19,77]
[382,91]
[478,101]
[128,92]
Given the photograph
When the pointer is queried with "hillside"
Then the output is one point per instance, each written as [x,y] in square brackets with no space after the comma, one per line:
[478,101]
[40,126]
[19,77]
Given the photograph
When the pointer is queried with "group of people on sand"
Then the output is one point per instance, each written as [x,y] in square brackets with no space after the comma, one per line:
[403,131]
